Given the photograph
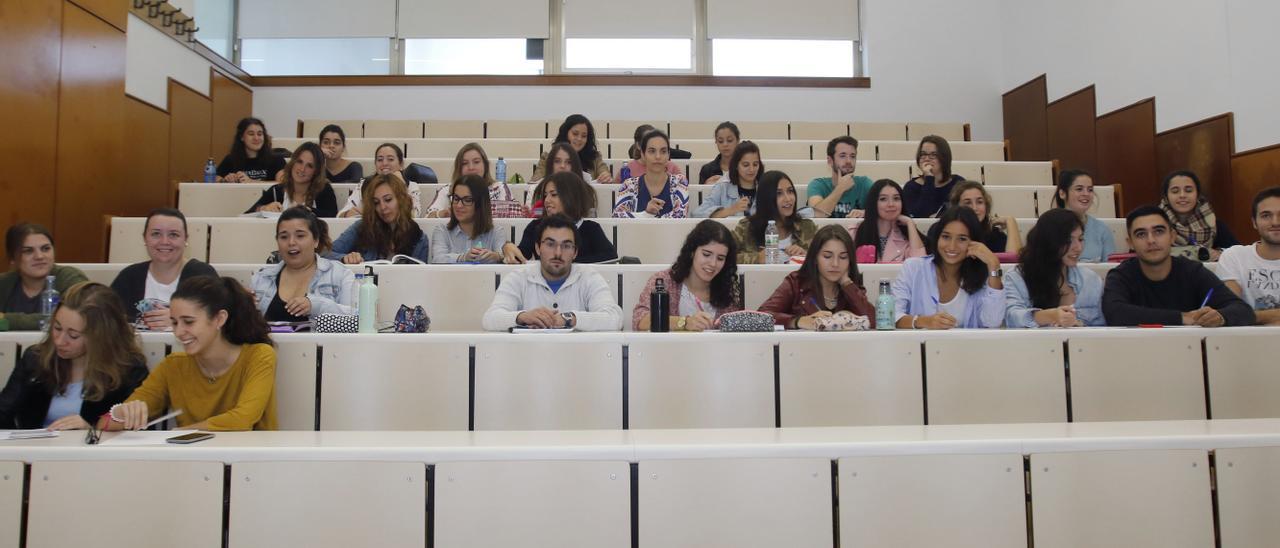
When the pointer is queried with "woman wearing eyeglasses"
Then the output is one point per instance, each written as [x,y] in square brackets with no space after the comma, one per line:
[470,236]
[926,195]
[386,227]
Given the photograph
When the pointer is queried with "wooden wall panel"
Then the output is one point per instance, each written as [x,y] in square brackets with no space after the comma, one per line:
[1025,121]
[90,134]
[1204,147]
[1071,132]
[1126,152]
[146,158]
[113,12]
[32,50]
[190,116]
[231,102]
[1252,171]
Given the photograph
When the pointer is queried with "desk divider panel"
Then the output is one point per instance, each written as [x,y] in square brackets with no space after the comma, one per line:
[1242,373]
[405,383]
[993,378]
[296,385]
[1135,377]
[933,500]
[694,384]
[1248,483]
[533,503]
[824,383]
[125,504]
[328,504]
[1122,498]
[530,386]
[11,491]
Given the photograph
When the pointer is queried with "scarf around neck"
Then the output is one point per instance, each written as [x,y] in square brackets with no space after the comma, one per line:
[1200,227]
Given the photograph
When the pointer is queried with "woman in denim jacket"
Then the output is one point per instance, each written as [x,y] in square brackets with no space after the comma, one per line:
[1048,288]
[303,284]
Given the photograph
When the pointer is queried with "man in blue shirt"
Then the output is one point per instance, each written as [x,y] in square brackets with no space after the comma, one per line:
[845,196]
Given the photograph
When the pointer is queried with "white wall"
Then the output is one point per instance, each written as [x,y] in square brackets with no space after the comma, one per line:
[152,57]
[945,67]
[1199,58]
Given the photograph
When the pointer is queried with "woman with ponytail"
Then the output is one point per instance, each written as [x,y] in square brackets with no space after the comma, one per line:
[224,379]
[88,361]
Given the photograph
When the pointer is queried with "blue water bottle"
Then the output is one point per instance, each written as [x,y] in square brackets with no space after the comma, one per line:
[501,170]
[624,173]
[210,172]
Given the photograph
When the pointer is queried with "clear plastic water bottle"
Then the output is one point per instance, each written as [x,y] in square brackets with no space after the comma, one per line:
[624,173]
[884,307]
[210,172]
[368,304]
[500,170]
[49,299]
[771,244]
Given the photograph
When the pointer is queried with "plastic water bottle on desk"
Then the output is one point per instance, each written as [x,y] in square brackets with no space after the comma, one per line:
[500,170]
[884,307]
[771,244]
[210,172]
[49,299]
[368,304]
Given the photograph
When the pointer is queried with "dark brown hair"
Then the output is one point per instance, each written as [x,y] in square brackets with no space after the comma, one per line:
[110,344]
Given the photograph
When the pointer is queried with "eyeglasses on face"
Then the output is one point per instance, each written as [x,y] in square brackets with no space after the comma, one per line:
[464,200]
[933,155]
[564,246]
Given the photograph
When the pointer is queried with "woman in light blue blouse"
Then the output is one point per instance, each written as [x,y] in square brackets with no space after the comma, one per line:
[1075,192]
[1048,288]
[736,196]
[469,236]
[959,284]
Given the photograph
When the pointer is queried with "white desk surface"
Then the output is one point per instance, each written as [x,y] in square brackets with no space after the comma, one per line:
[641,445]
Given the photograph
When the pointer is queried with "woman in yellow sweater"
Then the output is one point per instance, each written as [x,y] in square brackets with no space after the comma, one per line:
[226,378]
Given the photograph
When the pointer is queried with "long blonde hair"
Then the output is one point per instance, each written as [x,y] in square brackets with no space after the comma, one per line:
[111,347]
[376,234]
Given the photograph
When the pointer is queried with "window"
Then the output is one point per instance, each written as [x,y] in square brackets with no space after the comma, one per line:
[827,58]
[468,56]
[641,54]
[311,56]
[215,19]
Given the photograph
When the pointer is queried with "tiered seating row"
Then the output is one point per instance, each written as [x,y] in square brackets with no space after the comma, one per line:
[1126,484]
[624,129]
[250,240]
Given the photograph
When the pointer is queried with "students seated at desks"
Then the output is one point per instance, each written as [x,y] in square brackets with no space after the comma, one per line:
[654,192]
[841,194]
[637,164]
[553,292]
[735,196]
[165,236]
[926,194]
[959,284]
[775,201]
[1253,271]
[472,160]
[88,360]
[1158,288]
[578,133]
[1002,233]
[565,194]
[333,141]
[303,283]
[225,377]
[469,236]
[303,183]
[1048,288]
[386,227]
[251,158]
[388,159]
[31,259]
[884,226]
[562,158]
[1192,217]
[1075,192]
[828,282]
[727,137]
[703,282]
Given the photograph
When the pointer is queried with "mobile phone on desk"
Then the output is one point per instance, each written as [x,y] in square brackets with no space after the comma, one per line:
[190,438]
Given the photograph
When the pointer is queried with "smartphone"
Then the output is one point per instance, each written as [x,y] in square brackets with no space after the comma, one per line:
[190,438]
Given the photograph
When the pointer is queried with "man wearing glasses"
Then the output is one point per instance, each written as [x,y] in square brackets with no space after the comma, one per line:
[554,293]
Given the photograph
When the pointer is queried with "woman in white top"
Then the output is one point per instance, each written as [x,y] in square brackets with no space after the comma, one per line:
[387,159]
[471,160]
[165,235]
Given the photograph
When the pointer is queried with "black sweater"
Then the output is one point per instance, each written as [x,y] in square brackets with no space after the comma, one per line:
[922,199]
[25,400]
[131,283]
[326,201]
[593,245]
[1130,298]
[262,168]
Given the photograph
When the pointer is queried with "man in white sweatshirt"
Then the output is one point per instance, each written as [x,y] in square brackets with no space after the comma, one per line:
[554,293]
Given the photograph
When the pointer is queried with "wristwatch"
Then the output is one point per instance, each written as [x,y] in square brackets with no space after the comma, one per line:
[997,273]
[570,320]
[682,322]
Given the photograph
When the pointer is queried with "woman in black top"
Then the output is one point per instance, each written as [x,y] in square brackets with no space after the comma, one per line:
[926,195]
[338,169]
[304,183]
[250,158]
[165,235]
[88,361]
[565,193]
[727,137]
